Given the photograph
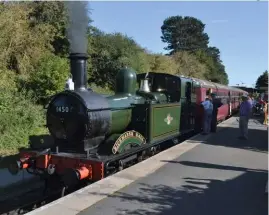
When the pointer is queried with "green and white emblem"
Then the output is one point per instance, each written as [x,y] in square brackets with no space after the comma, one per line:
[168,119]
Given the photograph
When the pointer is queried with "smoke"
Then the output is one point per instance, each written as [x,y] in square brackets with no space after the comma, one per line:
[77,28]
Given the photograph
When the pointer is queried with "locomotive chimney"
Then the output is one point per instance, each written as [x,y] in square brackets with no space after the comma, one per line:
[78,38]
[78,66]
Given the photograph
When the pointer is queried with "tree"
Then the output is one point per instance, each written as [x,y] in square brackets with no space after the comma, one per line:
[110,53]
[262,80]
[214,52]
[162,63]
[184,34]
[20,116]
[187,34]
[215,70]
[49,78]
[189,65]
[21,45]
[55,15]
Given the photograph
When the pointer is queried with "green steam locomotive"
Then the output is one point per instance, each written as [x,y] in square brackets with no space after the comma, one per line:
[96,135]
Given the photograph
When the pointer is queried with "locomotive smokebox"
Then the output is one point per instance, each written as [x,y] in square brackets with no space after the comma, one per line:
[78,66]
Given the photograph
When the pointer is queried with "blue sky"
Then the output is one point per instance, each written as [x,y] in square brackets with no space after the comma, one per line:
[238,29]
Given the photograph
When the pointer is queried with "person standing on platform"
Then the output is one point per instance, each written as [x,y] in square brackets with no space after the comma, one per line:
[245,111]
[261,103]
[208,109]
[265,110]
[216,104]
[251,103]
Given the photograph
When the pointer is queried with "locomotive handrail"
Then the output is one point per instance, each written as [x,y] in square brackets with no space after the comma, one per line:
[46,106]
[103,109]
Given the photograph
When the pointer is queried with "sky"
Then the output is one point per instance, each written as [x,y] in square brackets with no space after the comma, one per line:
[238,29]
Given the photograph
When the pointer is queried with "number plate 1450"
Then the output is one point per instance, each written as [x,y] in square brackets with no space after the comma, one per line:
[63,109]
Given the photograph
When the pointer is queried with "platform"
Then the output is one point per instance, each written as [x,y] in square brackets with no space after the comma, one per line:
[205,175]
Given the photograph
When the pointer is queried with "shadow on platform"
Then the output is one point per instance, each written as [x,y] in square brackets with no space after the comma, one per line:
[228,137]
[243,194]
[202,196]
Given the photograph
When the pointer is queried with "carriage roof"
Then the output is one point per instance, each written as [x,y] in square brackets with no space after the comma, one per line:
[200,82]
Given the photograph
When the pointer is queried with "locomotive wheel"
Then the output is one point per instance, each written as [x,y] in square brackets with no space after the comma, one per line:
[13,168]
[140,158]
[152,151]
[121,165]
[63,191]
[144,154]
[46,186]
[51,183]
[175,141]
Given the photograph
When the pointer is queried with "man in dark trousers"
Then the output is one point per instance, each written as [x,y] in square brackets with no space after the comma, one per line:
[216,104]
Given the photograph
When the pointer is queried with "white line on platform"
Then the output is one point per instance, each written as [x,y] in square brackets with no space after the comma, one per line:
[88,196]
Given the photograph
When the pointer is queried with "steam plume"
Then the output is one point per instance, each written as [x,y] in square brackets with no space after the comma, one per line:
[77,28]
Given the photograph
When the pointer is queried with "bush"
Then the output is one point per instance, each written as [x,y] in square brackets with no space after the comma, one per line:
[162,63]
[19,117]
[102,90]
[50,77]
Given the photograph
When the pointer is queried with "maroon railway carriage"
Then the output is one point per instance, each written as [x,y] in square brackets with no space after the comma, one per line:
[229,96]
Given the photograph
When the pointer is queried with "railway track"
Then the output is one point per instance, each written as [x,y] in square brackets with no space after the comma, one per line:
[32,199]
[37,197]
[28,202]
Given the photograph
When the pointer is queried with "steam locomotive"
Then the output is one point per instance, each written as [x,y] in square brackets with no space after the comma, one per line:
[96,135]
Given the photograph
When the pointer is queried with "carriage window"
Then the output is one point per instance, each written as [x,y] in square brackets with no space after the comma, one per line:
[193,89]
[188,90]
[209,91]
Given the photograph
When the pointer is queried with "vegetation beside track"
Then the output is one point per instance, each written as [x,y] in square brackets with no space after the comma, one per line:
[34,64]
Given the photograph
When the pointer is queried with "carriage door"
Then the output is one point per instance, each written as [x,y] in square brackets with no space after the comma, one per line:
[230,103]
[193,105]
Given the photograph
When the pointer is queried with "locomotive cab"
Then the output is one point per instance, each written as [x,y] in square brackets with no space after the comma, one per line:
[163,87]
